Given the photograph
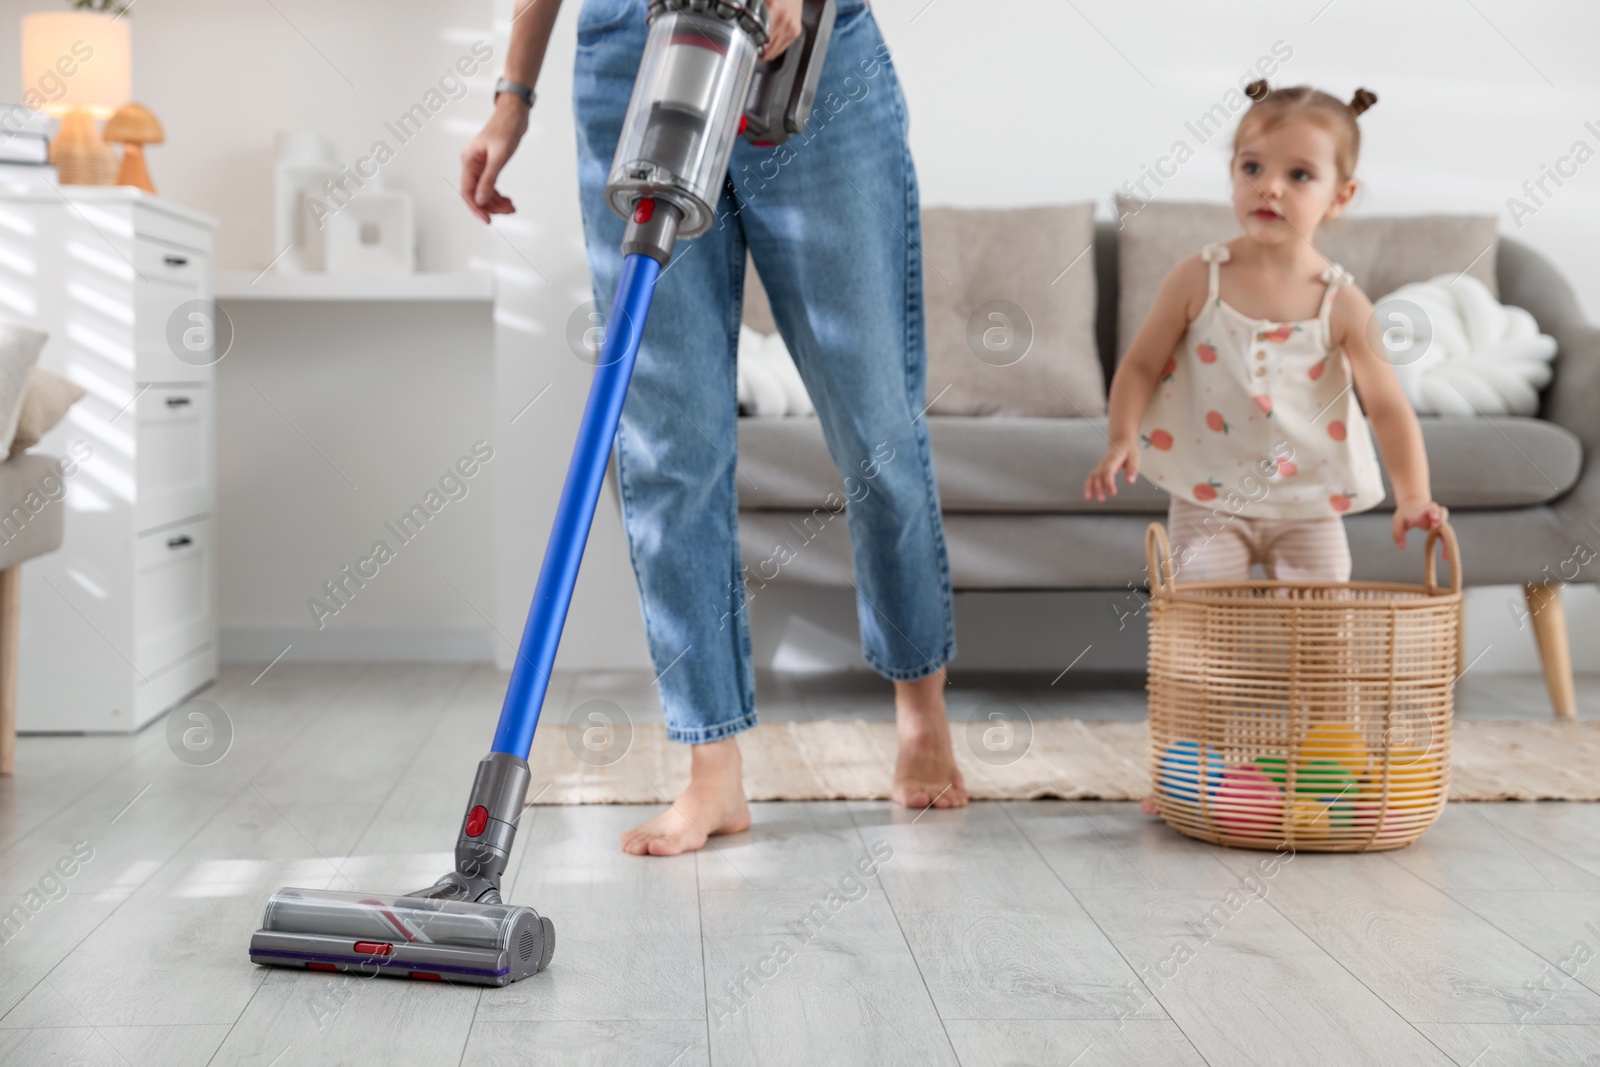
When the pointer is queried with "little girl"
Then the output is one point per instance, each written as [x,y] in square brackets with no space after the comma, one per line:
[1239,394]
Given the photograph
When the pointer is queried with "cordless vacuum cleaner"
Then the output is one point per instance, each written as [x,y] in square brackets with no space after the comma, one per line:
[700,86]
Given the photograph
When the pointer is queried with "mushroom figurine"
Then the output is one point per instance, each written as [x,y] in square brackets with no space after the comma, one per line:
[135,127]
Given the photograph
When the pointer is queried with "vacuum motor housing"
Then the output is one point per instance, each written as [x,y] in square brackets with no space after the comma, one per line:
[701,85]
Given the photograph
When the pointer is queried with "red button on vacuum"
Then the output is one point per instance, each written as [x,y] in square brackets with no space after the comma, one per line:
[477,819]
[374,948]
[321,967]
[643,210]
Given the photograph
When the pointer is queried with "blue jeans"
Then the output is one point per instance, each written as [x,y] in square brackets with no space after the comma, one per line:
[831,221]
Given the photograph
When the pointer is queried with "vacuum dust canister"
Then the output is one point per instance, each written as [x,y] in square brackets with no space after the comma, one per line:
[685,111]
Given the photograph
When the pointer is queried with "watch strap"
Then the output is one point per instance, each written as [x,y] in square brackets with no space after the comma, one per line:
[506,85]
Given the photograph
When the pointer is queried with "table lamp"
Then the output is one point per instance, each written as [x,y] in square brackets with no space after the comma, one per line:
[79,63]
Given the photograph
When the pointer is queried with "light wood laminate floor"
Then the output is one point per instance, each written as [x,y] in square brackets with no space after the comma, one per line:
[1028,933]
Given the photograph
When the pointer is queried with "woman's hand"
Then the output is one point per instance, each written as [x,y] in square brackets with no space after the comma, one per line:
[487,153]
[1421,514]
[783,26]
[1103,478]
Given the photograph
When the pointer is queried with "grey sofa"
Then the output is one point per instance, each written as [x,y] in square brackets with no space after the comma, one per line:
[30,525]
[1524,504]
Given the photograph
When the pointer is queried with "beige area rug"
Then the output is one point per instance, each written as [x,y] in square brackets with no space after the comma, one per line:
[1068,759]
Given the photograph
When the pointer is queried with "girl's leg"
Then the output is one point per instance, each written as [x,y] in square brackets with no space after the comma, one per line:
[1307,550]
[1314,550]
[675,454]
[832,218]
[1208,545]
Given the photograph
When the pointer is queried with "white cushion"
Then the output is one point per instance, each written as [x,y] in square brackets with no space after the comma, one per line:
[768,382]
[1459,351]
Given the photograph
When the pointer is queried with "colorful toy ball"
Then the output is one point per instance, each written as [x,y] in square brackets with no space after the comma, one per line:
[1180,772]
[1247,802]
[1415,791]
[1413,772]
[1335,741]
[1325,791]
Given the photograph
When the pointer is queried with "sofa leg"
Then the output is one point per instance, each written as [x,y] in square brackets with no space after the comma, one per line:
[1550,631]
[10,618]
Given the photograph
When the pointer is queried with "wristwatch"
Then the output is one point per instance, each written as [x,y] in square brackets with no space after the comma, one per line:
[517,89]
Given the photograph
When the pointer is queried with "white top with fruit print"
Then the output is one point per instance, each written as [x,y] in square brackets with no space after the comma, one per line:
[1260,417]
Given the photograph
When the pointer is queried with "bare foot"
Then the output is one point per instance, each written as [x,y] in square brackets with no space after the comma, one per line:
[1148,805]
[712,804]
[925,772]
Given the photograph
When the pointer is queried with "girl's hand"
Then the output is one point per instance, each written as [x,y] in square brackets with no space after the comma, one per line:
[1103,478]
[1419,515]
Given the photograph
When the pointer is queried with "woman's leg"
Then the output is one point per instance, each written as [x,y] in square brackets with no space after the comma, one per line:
[675,455]
[832,219]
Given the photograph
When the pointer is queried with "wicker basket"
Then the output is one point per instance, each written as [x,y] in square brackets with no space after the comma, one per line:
[1309,714]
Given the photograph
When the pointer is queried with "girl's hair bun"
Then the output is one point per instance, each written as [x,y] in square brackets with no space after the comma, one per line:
[1363,99]
[1257,90]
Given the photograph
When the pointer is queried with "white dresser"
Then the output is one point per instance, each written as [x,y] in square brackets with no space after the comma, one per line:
[120,624]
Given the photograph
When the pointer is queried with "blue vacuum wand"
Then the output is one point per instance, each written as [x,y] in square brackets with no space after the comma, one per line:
[701,85]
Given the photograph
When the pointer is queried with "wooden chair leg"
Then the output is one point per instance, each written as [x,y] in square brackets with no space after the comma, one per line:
[1550,631]
[10,618]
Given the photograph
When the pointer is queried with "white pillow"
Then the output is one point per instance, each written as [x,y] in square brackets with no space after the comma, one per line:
[769,384]
[1459,351]
[19,351]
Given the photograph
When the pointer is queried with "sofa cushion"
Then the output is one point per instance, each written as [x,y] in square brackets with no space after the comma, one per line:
[1079,552]
[1009,299]
[1383,253]
[44,403]
[1503,461]
[1010,296]
[1038,465]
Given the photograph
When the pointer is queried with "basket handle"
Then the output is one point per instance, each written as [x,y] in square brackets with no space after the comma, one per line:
[1158,563]
[1452,553]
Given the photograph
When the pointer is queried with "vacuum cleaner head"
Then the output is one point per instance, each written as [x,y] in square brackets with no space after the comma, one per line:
[404,937]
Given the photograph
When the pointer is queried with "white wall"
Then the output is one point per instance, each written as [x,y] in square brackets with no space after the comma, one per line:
[334,421]
[1012,102]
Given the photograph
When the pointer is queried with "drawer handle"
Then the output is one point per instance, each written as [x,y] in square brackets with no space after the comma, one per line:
[177,401]
[175,261]
[180,541]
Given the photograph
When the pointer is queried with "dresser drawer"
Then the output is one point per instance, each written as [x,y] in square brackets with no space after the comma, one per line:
[174,332]
[174,454]
[157,261]
[149,224]
[172,594]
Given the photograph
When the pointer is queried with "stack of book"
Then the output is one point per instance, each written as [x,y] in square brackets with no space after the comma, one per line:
[25,147]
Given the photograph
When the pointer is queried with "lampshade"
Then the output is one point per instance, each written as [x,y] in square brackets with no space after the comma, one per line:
[75,58]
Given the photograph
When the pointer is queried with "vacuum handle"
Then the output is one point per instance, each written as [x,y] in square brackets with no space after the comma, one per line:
[536,655]
[783,89]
